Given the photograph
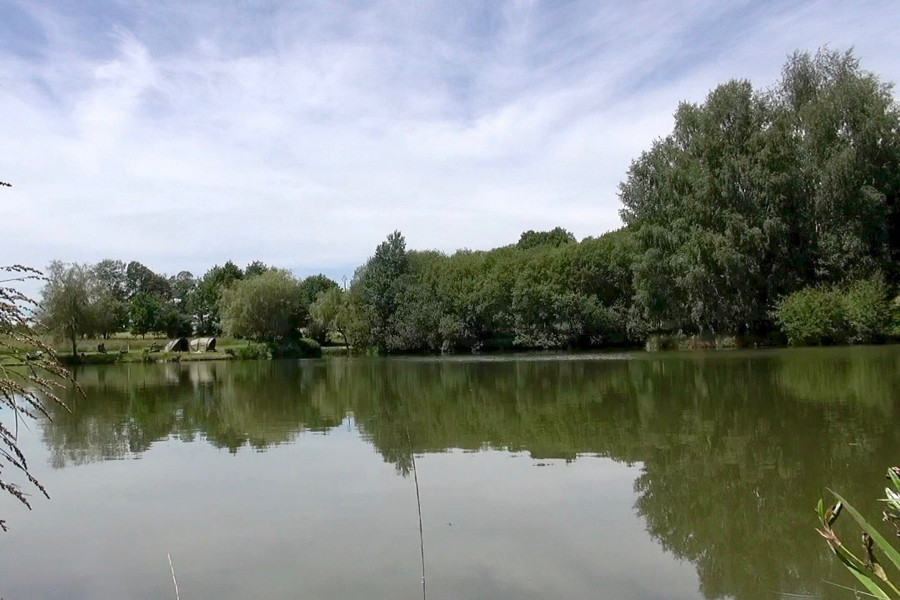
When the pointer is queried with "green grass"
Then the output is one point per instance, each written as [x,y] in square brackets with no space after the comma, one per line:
[98,358]
[132,343]
[136,349]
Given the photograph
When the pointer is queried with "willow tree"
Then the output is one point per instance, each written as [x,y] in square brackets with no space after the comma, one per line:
[66,303]
[267,307]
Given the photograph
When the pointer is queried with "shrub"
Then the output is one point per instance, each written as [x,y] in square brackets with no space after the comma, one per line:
[813,317]
[857,313]
[298,348]
[867,309]
[250,352]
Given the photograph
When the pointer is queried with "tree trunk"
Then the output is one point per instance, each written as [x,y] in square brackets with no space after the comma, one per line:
[74,347]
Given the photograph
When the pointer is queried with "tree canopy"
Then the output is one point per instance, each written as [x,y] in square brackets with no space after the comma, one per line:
[758,193]
[267,307]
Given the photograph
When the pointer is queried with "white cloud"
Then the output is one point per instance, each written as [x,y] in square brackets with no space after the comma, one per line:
[184,134]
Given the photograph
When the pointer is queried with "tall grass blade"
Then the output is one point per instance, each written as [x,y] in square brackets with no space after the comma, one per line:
[889,551]
[864,578]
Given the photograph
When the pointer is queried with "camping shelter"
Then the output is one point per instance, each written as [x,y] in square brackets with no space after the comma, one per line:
[178,345]
[203,344]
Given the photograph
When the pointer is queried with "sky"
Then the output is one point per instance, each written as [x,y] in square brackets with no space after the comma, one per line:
[184,134]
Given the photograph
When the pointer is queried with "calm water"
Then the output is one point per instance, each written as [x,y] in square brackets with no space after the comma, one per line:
[589,476]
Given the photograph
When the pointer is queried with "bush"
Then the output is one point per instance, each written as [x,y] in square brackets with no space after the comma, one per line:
[298,348]
[813,317]
[867,309]
[250,352]
[858,313]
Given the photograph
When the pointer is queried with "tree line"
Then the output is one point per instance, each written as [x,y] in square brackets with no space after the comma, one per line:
[99,300]
[764,211]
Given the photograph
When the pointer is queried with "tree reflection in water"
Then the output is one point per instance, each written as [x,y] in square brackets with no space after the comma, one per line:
[735,448]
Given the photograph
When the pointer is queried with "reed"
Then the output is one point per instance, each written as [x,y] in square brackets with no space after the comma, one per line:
[30,377]
[868,570]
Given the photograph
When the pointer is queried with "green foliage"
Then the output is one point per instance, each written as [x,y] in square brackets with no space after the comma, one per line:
[381,281]
[868,570]
[139,279]
[325,314]
[66,308]
[314,286]
[867,309]
[110,314]
[755,195]
[533,295]
[182,286]
[267,307]
[173,322]
[250,352]
[144,312]
[855,313]
[813,316]
[296,348]
[110,278]
[203,304]
[257,267]
[555,237]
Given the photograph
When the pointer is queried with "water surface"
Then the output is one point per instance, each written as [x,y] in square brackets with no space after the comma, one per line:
[541,476]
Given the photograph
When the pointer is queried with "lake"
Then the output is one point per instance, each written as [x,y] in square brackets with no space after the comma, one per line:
[621,476]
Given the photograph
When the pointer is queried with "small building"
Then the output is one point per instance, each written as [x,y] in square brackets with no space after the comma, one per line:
[178,345]
[203,344]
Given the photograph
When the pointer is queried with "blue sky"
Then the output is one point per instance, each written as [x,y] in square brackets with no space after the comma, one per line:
[184,134]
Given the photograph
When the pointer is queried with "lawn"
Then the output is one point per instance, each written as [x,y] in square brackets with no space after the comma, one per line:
[125,347]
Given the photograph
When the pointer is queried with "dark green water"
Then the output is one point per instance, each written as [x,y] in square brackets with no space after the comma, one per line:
[587,476]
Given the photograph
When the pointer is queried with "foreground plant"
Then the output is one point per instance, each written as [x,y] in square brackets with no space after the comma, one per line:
[868,570]
[30,376]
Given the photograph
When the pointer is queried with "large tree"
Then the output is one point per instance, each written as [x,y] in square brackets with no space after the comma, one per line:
[145,312]
[758,193]
[268,307]
[66,308]
[382,282]
[110,277]
[205,300]
[141,279]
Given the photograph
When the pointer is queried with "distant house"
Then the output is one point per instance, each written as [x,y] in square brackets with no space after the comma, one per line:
[178,345]
[203,344]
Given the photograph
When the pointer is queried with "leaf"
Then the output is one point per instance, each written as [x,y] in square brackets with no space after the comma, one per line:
[893,498]
[894,476]
[863,578]
[889,551]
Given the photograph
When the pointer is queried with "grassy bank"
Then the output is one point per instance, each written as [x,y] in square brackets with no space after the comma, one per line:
[109,358]
[125,349]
